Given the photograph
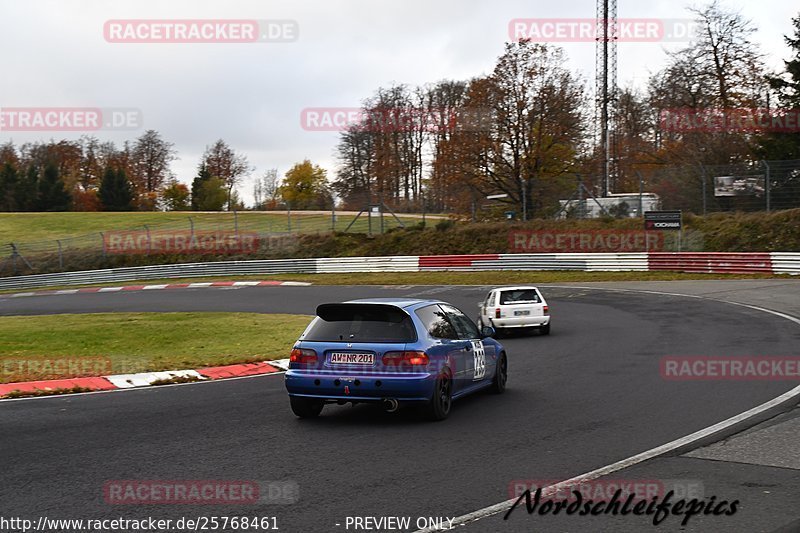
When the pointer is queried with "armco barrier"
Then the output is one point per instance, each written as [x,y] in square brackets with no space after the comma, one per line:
[786,263]
[710,262]
[705,262]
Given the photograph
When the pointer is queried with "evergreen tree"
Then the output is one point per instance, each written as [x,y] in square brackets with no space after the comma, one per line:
[203,175]
[51,193]
[26,189]
[8,187]
[116,192]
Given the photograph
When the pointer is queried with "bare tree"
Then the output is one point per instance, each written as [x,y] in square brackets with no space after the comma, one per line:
[265,189]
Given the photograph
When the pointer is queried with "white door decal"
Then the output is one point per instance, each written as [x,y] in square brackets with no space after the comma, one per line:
[479,356]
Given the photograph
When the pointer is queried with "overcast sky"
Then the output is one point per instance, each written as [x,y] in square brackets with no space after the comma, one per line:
[54,54]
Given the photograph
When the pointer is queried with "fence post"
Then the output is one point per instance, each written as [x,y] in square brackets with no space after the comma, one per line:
[767,185]
[191,229]
[103,243]
[288,218]
[235,222]
[333,216]
[60,256]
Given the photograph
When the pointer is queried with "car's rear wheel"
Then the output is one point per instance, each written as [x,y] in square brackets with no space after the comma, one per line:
[501,375]
[545,330]
[442,400]
[306,407]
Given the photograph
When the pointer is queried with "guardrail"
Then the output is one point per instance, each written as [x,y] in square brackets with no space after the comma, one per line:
[705,262]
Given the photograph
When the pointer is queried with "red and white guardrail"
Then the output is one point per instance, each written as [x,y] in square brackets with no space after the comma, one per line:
[700,262]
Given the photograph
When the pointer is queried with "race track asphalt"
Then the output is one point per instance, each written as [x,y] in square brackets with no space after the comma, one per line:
[586,396]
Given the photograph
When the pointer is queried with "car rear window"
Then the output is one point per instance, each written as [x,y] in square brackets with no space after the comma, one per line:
[361,323]
[524,296]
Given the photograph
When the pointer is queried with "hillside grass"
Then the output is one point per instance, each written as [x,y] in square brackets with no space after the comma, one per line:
[35,227]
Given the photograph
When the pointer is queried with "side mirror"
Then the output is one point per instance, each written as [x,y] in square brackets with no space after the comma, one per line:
[488,331]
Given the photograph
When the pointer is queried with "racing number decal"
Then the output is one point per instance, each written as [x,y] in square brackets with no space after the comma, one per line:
[479,356]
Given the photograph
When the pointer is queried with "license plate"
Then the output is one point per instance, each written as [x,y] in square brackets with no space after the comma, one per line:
[522,313]
[352,359]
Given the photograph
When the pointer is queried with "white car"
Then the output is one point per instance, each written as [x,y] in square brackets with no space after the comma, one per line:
[508,308]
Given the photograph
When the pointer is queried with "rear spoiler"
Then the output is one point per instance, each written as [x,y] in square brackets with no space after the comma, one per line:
[334,312]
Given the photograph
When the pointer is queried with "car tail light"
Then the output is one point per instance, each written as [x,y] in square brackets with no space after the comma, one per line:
[303,356]
[547,309]
[410,358]
[497,313]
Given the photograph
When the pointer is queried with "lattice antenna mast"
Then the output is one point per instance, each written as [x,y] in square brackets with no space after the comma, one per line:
[606,89]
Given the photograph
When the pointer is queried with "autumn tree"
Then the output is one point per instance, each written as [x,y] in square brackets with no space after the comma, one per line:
[529,150]
[176,196]
[150,159]
[444,104]
[305,187]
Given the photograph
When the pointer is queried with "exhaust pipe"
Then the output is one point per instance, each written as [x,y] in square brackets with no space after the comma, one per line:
[390,405]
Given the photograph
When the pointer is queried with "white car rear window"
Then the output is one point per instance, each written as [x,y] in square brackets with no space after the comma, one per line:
[523,296]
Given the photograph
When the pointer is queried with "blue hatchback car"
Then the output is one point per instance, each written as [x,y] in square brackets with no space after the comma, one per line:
[392,352]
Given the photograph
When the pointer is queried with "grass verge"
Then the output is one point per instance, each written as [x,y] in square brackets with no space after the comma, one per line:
[63,346]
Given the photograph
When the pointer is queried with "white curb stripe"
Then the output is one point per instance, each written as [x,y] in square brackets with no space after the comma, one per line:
[198,285]
[154,287]
[283,364]
[145,379]
[110,289]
